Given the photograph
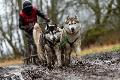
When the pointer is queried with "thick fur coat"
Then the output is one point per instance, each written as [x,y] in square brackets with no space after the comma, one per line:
[70,39]
[37,32]
[51,52]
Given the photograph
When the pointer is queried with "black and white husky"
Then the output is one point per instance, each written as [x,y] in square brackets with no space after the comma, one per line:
[47,43]
[52,41]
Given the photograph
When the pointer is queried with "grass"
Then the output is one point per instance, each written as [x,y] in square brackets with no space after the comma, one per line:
[99,49]
[8,62]
[91,50]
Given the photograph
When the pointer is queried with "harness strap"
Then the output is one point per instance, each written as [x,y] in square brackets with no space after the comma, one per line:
[63,43]
[71,43]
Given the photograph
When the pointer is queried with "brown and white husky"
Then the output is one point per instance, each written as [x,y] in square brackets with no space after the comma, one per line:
[70,39]
[37,33]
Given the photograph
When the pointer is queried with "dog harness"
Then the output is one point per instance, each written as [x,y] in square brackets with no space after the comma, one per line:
[66,40]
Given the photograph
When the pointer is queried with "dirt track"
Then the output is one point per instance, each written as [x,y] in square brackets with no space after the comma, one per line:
[103,66]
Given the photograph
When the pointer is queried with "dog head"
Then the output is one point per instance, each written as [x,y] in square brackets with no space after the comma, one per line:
[72,25]
[53,34]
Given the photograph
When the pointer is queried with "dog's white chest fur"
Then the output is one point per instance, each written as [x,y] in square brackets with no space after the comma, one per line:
[71,37]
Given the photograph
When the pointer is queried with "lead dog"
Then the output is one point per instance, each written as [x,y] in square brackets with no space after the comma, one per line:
[50,39]
[70,39]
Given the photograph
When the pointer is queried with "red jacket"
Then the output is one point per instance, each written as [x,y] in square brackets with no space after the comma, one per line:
[29,19]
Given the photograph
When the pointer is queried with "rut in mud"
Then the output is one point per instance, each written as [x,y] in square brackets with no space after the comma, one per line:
[103,66]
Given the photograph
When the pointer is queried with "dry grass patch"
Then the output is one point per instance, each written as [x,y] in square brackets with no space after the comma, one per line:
[99,49]
[11,62]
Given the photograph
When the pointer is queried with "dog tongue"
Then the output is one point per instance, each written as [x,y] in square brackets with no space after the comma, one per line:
[72,32]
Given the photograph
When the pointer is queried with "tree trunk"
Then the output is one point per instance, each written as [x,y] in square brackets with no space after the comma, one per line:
[54,11]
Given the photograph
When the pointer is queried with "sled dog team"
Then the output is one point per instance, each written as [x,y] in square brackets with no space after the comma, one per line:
[55,45]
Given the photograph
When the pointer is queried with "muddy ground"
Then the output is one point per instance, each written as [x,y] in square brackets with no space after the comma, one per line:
[103,66]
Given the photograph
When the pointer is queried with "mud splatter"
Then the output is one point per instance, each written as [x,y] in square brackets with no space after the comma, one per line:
[103,66]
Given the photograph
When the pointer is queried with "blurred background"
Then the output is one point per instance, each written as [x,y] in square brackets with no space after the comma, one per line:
[100,20]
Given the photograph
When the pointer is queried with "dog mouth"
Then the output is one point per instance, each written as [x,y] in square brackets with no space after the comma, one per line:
[72,30]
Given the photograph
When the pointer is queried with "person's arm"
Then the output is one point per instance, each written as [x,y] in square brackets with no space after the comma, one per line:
[43,15]
[21,25]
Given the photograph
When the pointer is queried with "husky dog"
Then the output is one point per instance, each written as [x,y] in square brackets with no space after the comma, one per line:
[52,41]
[70,39]
[47,43]
[37,33]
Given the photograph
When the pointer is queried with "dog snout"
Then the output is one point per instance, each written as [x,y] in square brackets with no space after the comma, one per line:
[72,29]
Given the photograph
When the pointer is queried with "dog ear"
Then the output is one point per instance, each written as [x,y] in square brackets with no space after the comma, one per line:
[66,20]
[55,25]
[67,17]
[76,17]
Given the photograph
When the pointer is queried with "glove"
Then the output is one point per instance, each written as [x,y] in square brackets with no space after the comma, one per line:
[47,19]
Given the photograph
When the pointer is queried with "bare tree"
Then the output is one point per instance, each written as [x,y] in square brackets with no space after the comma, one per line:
[101,9]
[10,31]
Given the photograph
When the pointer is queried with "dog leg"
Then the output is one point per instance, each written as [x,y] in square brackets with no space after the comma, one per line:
[77,48]
[58,54]
[67,52]
[40,53]
[48,53]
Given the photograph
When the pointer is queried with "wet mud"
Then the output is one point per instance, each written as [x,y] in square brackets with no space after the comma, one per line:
[100,66]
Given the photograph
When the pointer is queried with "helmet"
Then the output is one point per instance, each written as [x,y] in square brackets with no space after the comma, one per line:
[27,6]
